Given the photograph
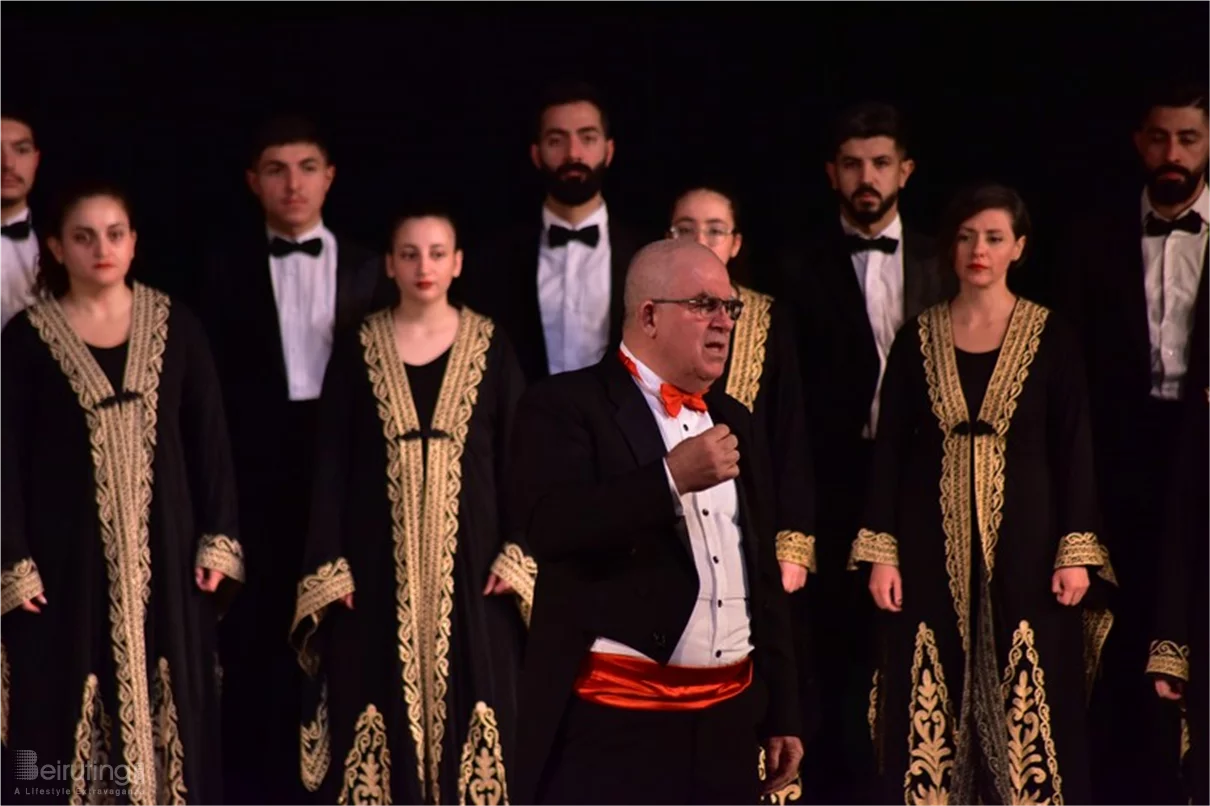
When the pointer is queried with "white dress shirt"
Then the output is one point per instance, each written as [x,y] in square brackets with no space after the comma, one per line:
[305,290]
[881,279]
[1172,270]
[18,270]
[718,630]
[574,294]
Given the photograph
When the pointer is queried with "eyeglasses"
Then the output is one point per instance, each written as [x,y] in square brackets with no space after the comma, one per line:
[714,233]
[705,305]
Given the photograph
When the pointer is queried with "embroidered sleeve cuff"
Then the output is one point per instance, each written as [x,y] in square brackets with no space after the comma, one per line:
[332,581]
[221,553]
[1083,548]
[18,585]
[1170,658]
[797,548]
[874,547]
[520,570]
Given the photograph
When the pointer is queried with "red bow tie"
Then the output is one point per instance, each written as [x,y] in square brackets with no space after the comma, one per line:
[672,397]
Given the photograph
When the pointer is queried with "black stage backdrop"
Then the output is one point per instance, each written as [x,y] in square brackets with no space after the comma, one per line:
[436,102]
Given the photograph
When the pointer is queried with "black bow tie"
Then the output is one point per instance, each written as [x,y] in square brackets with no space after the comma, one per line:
[855,243]
[560,236]
[980,428]
[1190,222]
[280,247]
[18,231]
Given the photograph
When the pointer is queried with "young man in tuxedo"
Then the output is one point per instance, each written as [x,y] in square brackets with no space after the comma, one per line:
[660,656]
[271,302]
[851,287]
[19,157]
[557,288]
[1134,283]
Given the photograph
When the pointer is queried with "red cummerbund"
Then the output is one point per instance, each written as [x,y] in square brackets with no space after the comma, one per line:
[621,681]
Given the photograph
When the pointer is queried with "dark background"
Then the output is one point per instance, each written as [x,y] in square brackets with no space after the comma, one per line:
[436,102]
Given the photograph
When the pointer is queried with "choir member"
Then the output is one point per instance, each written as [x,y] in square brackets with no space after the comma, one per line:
[119,524]
[979,537]
[407,616]
[660,655]
[1135,286]
[557,288]
[19,157]
[272,299]
[850,288]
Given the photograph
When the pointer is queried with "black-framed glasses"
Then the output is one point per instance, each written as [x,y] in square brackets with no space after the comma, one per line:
[706,305]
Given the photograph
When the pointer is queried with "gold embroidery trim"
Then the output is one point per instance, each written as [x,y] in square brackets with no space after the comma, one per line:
[424,499]
[368,763]
[92,742]
[1028,720]
[315,745]
[789,793]
[520,570]
[797,548]
[123,440]
[1097,624]
[170,755]
[871,715]
[18,585]
[221,553]
[1020,346]
[330,582]
[874,547]
[1170,658]
[1083,548]
[748,342]
[930,754]
[481,778]
[6,681]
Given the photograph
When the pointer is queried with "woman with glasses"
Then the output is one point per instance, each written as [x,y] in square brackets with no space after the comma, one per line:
[762,373]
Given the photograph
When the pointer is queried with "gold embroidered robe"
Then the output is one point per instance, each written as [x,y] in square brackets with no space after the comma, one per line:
[413,691]
[977,510]
[117,482]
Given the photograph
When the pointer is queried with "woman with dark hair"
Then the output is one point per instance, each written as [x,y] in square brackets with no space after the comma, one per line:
[409,618]
[119,523]
[991,591]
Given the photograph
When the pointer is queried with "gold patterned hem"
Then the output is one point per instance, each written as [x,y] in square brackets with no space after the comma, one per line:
[520,571]
[748,346]
[166,737]
[1169,658]
[481,776]
[330,582]
[367,778]
[1083,548]
[790,793]
[874,547]
[18,585]
[315,745]
[5,685]
[92,745]
[1028,721]
[928,778]
[221,553]
[1097,625]
[797,548]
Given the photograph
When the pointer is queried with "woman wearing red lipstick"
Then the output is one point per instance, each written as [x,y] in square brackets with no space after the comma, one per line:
[410,616]
[119,521]
[980,537]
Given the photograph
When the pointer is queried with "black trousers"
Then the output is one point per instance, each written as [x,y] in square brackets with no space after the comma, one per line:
[615,756]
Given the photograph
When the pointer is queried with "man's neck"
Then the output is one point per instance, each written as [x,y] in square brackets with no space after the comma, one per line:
[641,349]
[1175,211]
[8,212]
[875,228]
[574,214]
[293,230]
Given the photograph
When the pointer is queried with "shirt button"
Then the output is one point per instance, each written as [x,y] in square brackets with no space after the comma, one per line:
[706,512]
[716,560]
[720,602]
[718,653]
[685,426]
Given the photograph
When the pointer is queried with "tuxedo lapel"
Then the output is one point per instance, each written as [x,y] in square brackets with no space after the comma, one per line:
[724,410]
[528,257]
[263,323]
[846,291]
[1132,278]
[917,285]
[347,263]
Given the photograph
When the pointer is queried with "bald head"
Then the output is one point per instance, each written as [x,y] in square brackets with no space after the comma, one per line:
[659,268]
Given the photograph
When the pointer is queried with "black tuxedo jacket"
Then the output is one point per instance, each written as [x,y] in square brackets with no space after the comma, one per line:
[614,556]
[840,359]
[501,281]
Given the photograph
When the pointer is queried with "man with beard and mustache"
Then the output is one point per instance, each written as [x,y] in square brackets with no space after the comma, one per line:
[19,258]
[851,289]
[1135,284]
[558,290]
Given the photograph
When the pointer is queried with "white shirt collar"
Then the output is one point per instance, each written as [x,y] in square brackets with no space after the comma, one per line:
[600,217]
[1201,205]
[648,380]
[893,230]
[315,232]
[19,217]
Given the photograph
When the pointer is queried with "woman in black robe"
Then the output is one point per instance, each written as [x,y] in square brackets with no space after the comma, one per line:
[980,536]
[118,527]
[411,649]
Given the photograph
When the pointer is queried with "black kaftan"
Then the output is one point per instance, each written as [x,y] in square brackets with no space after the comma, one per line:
[117,483]
[415,688]
[982,486]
